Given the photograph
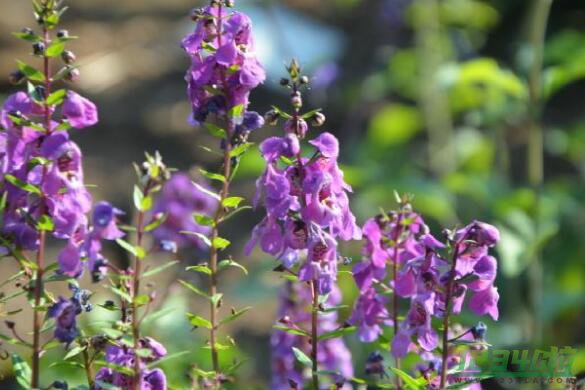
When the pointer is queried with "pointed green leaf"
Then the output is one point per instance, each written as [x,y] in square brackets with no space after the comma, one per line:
[160,268]
[220,243]
[203,220]
[55,49]
[212,176]
[198,321]
[336,333]
[201,236]
[216,131]
[232,201]
[230,263]
[234,315]
[193,288]
[297,332]
[31,73]
[302,358]
[56,97]
[22,371]
[200,268]
[22,185]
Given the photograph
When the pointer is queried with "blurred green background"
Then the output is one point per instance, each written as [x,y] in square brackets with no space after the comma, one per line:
[449,100]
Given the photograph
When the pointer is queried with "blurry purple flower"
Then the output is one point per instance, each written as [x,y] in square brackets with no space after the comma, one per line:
[79,111]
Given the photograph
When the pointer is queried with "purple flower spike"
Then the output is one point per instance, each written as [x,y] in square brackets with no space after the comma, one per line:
[79,111]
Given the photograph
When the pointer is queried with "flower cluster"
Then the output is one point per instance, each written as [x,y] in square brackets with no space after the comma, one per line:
[435,276]
[294,312]
[179,200]
[122,356]
[224,68]
[307,207]
[42,169]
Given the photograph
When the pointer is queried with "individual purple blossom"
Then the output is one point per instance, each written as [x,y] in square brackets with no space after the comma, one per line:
[79,111]
[179,201]
[65,312]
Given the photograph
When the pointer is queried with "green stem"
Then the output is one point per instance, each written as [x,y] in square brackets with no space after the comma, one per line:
[535,160]
[432,100]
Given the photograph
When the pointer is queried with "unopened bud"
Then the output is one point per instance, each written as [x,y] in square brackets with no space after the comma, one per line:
[296,100]
[10,324]
[271,117]
[304,80]
[318,119]
[62,34]
[196,14]
[38,49]
[72,74]
[229,3]
[68,57]
[27,31]
[284,82]
[15,77]
[40,92]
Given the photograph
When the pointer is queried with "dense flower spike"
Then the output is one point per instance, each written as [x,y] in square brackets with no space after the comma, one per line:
[222,54]
[224,70]
[307,212]
[436,284]
[294,311]
[42,186]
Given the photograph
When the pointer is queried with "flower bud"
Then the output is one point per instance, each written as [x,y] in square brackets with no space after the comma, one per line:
[284,82]
[40,92]
[318,119]
[15,77]
[229,3]
[62,34]
[72,74]
[60,385]
[196,14]
[296,126]
[38,48]
[10,324]
[27,31]
[304,80]
[68,57]
[296,100]
[271,117]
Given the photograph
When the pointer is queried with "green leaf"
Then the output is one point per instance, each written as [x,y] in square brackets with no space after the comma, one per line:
[31,73]
[27,37]
[168,357]
[55,49]
[155,223]
[216,131]
[232,201]
[212,176]
[201,236]
[203,220]
[56,97]
[297,332]
[281,113]
[336,333]
[230,263]
[234,212]
[74,352]
[302,358]
[410,382]
[216,298]
[158,269]
[240,149]
[234,315]
[198,321]
[236,111]
[141,202]
[220,243]
[45,223]
[193,288]
[310,114]
[200,268]
[141,300]
[22,185]
[134,250]
[22,371]
[122,294]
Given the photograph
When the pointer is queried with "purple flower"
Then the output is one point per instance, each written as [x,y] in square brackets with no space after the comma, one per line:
[179,200]
[122,355]
[369,314]
[79,111]
[233,66]
[486,302]
[65,314]
[104,221]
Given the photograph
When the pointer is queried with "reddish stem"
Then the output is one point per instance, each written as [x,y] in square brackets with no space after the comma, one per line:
[448,296]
